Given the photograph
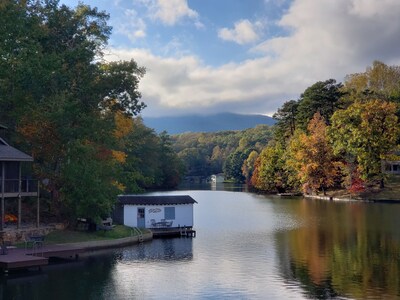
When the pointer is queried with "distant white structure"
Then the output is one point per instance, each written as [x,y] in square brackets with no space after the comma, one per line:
[217,178]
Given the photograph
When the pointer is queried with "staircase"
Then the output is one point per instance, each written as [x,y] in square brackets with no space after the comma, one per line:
[139,233]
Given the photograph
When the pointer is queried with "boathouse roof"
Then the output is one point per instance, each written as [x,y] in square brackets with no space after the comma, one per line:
[155,200]
[8,153]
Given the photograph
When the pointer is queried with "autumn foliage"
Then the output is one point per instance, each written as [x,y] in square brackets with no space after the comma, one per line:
[343,149]
[70,109]
[312,157]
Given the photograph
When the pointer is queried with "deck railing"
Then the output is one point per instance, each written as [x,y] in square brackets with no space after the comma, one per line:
[12,186]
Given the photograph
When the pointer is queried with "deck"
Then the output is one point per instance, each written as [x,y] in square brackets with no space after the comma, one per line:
[173,232]
[20,258]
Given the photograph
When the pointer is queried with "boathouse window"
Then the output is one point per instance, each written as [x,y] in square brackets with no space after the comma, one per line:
[169,213]
[140,213]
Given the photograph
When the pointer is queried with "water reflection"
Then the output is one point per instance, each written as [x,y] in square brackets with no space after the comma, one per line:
[346,249]
[248,246]
[170,249]
[82,279]
[214,186]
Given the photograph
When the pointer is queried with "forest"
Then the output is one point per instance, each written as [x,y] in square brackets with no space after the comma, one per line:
[230,152]
[74,112]
[78,115]
[335,136]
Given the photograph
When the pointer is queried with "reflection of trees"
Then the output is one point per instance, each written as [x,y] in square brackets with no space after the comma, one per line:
[349,249]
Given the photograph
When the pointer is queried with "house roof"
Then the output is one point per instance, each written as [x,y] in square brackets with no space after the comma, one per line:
[8,153]
[155,200]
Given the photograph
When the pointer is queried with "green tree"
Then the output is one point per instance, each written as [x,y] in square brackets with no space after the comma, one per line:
[379,81]
[322,97]
[150,160]
[171,167]
[368,131]
[270,171]
[62,99]
[248,165]
[204,154]
[142,167]
[286,119]
[233,166]
[88,181]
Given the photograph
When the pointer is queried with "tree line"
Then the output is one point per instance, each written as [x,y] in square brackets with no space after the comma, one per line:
[74,112]
[230,152]
[335,135]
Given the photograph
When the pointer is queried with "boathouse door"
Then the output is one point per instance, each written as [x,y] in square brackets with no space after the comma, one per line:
[140,218]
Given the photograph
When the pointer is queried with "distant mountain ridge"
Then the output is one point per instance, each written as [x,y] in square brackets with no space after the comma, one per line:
[206,123]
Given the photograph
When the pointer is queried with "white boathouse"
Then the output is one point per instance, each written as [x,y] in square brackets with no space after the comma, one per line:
[148,211]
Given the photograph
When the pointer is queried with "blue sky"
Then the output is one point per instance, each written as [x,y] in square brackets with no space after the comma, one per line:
[246,56]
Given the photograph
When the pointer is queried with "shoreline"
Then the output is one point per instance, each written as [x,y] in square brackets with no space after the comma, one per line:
[114,243]
[331,198]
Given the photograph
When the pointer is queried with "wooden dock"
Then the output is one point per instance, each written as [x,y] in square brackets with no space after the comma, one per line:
[173,232]
[20,258]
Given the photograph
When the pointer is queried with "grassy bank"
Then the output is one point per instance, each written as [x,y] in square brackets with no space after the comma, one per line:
[391,191]
[71,236]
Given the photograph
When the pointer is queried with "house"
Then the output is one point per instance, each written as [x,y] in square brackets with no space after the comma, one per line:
[217,178]
[148,211]
[14,184]
[391,167]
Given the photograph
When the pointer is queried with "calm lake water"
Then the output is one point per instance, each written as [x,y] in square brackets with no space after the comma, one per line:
[248,246]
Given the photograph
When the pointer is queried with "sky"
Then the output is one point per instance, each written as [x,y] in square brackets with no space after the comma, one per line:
[245,56]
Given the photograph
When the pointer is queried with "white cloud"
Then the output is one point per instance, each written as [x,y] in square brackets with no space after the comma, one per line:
[243,33]
[170,12]
[131,25]
[327,39]
[186,84]
[333,37]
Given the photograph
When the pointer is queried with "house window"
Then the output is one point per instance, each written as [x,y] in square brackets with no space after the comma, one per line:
[169,213]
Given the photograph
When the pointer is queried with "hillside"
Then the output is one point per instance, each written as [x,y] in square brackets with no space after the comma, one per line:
[209,123]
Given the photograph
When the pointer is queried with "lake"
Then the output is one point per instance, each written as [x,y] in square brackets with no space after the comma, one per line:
[248,246]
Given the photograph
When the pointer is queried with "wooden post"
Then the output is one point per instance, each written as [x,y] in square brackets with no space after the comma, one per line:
[2,197]
[19,211]
[19,196]
[37,207]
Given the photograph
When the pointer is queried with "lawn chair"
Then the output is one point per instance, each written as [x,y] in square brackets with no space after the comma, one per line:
[35,241]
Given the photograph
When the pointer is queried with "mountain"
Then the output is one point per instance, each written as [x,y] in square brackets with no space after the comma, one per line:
[209,123]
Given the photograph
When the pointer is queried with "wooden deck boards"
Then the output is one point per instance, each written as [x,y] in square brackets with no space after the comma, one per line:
[28,258]
[18,258]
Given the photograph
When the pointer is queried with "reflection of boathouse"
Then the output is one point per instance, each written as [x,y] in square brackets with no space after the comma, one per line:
[155,212]
[161,250]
